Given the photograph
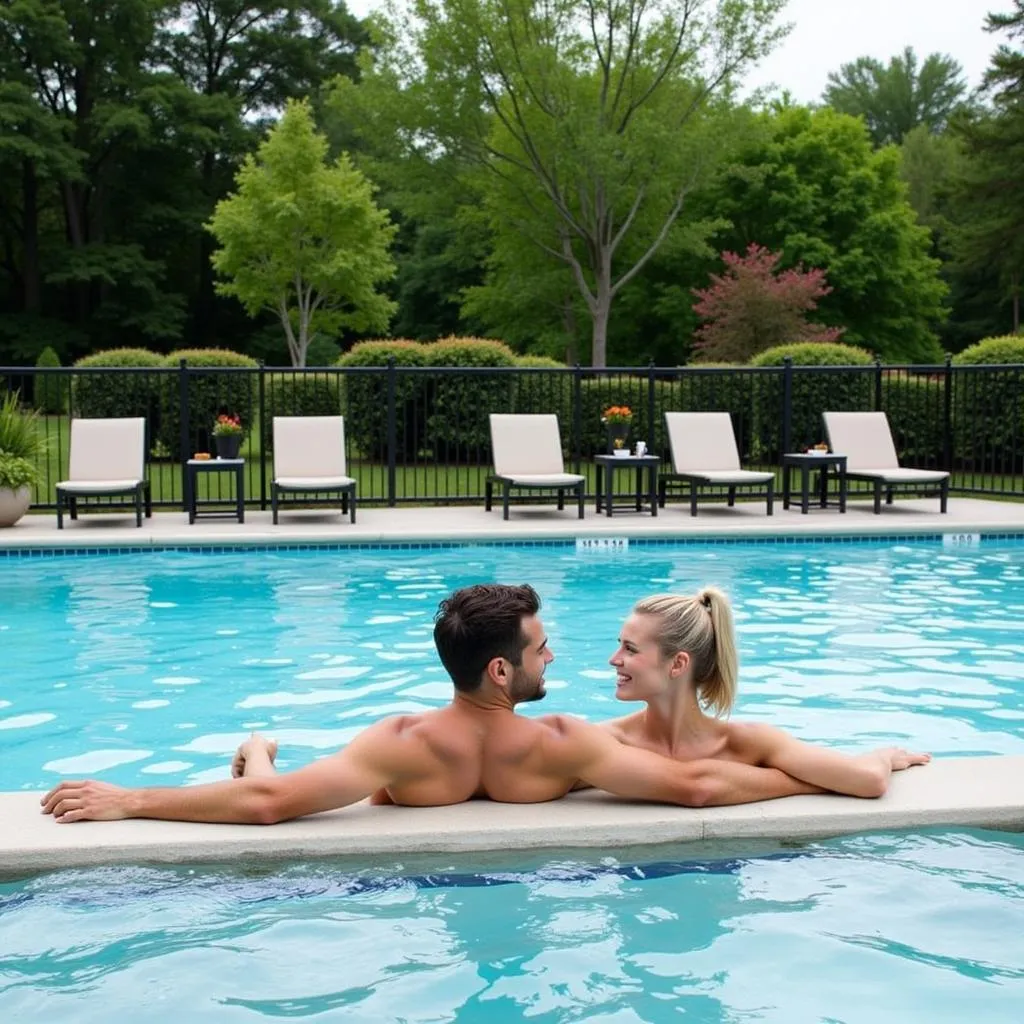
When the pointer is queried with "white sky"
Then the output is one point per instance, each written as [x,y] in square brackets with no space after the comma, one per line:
[827,33]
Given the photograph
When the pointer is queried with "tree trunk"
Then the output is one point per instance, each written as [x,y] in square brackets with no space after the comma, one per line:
[31,293]
[204,325]
[1015,285]
[600,311]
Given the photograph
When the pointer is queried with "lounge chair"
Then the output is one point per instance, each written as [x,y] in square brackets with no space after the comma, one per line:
[528,453]
[866,441]
[704,453]
[309,458]
[107,459]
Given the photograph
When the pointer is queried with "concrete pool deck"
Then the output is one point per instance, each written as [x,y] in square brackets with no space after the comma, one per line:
[984,792]
[980,791]
[470,523]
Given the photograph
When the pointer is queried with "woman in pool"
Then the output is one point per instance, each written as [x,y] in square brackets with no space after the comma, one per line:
[678,655]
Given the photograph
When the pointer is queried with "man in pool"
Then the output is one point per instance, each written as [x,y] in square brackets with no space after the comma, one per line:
[492,643]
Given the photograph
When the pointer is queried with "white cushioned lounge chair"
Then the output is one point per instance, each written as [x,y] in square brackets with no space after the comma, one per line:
[704,453]
[528,453]
[309,458]
[866,440]
[107,458]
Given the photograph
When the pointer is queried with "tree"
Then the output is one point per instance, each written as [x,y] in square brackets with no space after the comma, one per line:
[988,238]
[303,239]
[575,112]
[895,99]
[810,185]
[754,306]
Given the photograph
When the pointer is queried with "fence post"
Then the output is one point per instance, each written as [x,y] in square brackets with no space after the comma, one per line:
[650,406]
[183,429]
[577,417]
[392,432]
[265,433]
[947,417]
[878,384]
[787,404]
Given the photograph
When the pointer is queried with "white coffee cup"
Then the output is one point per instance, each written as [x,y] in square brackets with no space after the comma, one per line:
[641,449]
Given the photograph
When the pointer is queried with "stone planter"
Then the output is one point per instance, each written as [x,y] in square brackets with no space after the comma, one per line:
[618,435]
[14,504]
[228,445]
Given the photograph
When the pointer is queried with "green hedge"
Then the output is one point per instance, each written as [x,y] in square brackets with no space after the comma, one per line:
[209,395]
[914,408]
[365,399]
[50,395]
[300,393]
[458,426]
[542,392]
[988,406]
[103,396]
[813,393]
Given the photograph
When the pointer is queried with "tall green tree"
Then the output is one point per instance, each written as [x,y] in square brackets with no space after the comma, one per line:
[302,238]
[897,97]
[812,186]
[573,112]
[989,198]
[242,60]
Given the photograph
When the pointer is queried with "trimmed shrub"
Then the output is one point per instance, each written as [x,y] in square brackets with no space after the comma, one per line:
[814,392]
[51,389]
[539,392]
[458,427]
[914,408]
[365,398]
[209,395]
[301,393]
[988,405]
[103,395]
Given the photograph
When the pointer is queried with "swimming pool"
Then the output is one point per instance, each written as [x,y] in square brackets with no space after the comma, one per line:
[865,930]
[148,669]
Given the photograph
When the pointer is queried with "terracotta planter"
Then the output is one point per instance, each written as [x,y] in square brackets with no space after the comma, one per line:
[14,504]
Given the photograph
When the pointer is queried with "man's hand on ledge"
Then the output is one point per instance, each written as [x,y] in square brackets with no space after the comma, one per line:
[87,800]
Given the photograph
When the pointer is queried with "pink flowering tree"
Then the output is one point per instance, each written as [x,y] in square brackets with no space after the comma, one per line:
[753,306]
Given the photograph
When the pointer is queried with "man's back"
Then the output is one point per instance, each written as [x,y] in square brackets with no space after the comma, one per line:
[460,752]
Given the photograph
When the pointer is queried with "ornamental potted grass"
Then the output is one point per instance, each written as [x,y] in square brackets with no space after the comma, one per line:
[617,419]
[20,449]
[227,436]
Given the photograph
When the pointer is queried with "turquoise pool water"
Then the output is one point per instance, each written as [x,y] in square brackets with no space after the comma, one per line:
[149,669]
[864,930]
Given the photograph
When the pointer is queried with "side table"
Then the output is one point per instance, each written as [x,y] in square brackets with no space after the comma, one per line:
[195,508]
[606,466]
[806,462]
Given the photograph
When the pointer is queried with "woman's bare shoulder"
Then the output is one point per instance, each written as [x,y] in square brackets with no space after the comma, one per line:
[626,727]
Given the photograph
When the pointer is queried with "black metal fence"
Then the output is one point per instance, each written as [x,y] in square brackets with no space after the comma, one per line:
[421,435]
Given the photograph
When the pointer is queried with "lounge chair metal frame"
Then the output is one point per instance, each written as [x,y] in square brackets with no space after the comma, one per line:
[542,468]
[723,457]
[122,440]
[301,462]
[866,437]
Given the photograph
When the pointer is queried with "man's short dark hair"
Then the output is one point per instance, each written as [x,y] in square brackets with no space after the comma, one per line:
[479,623]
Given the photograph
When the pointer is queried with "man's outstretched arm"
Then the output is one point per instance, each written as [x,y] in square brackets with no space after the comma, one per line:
[595,756]
[377,757]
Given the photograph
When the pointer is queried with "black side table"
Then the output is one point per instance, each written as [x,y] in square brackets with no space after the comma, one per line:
[194,507]
[806,462]
[606,466]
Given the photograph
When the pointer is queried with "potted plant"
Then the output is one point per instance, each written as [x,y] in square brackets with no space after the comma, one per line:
[617,419]
[20,449]
[227,436]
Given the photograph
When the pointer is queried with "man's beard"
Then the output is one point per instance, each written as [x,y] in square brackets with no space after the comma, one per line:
[525,689]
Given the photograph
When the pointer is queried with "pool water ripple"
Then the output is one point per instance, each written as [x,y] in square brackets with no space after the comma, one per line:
[159,664]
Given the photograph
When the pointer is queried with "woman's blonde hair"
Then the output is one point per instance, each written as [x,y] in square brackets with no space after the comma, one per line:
[702,627]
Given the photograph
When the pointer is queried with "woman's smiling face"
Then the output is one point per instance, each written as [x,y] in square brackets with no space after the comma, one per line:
[642,671]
